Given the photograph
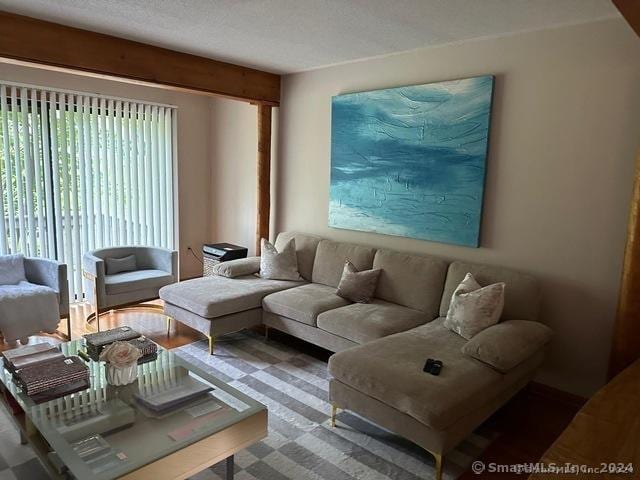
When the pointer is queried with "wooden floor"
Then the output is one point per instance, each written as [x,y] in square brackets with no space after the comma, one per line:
[147,322]
[527,425]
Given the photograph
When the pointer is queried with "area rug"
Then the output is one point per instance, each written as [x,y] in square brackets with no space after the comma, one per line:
[301,444]
[17,462]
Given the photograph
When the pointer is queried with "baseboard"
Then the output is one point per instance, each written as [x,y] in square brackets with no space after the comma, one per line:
[555,395]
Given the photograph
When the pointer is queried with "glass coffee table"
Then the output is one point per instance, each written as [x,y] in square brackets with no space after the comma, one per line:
[106,432]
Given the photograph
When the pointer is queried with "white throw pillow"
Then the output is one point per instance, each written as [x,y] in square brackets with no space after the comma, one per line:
[281,265]
[474,308]
[12,269]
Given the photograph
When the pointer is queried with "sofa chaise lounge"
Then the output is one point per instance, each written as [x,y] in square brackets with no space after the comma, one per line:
[381,345]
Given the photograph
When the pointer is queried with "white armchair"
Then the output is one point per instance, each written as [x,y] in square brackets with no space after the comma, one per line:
[34,296]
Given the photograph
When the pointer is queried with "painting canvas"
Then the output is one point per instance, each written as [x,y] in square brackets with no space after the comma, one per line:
[411,161]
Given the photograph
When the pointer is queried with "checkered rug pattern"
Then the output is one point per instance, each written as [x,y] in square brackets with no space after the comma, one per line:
[16,461]
[301,444]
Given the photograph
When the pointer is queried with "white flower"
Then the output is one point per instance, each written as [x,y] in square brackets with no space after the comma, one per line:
[120,354]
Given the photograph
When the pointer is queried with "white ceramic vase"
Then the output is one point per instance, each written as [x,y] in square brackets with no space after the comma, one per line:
[122,376]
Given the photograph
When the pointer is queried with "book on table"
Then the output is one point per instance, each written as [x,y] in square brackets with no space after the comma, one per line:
[161,399]
[96,342]
[52,374]
[30,355]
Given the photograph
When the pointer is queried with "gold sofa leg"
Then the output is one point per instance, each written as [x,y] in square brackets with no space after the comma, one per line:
[212,341]
[334,412]
[439,461]
[168,326]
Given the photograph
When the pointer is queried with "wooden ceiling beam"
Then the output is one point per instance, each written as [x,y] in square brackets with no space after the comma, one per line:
[630,10]
[32,41]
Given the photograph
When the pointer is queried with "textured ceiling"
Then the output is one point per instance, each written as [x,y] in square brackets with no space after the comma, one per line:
[286,36]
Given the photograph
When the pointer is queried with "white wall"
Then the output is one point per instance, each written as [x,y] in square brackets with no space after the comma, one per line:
[234,140]
[234,180]
[565,128]
[194,126]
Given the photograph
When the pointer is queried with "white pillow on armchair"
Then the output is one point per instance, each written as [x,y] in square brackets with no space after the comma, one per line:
[12,269]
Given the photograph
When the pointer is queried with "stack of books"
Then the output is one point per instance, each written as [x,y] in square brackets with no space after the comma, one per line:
[163,399]
[148,349]
[54,378]
[44,373]
[96,342]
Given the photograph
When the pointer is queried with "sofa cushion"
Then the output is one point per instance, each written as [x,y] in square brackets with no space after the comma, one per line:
[330,259]
[304,303]
[415,281]
[522,292]
[436,401]
[137,280]
[306,246]
[508,343]
[364,322]
[215,296]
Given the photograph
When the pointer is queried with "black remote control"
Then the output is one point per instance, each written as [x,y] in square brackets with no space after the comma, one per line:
[434,367]
[427,366]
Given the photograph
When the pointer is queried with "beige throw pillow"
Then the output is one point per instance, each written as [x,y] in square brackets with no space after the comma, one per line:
[357,286]
[508,344]
[237,268]
[474,308]
[281,265]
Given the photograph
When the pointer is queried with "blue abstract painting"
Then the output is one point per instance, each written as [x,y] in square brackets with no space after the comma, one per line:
[411,161]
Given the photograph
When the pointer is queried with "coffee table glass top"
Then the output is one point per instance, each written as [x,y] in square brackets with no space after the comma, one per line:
[105,431]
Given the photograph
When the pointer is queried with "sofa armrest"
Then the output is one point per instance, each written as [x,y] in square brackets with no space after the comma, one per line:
[93,272]
[238,268]
[93,265]
[507,344]
[163,259]
[52,274]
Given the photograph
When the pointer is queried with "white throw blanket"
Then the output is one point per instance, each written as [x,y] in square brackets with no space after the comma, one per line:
[26,309]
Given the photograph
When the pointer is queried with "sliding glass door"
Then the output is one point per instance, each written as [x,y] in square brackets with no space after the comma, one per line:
[80,171]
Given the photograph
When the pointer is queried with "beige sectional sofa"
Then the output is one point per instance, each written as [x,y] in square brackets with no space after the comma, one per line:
[382,345]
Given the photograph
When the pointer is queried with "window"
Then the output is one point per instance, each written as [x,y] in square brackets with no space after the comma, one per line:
[80,171]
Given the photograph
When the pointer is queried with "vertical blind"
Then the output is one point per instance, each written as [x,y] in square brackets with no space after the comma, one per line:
[81,171]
